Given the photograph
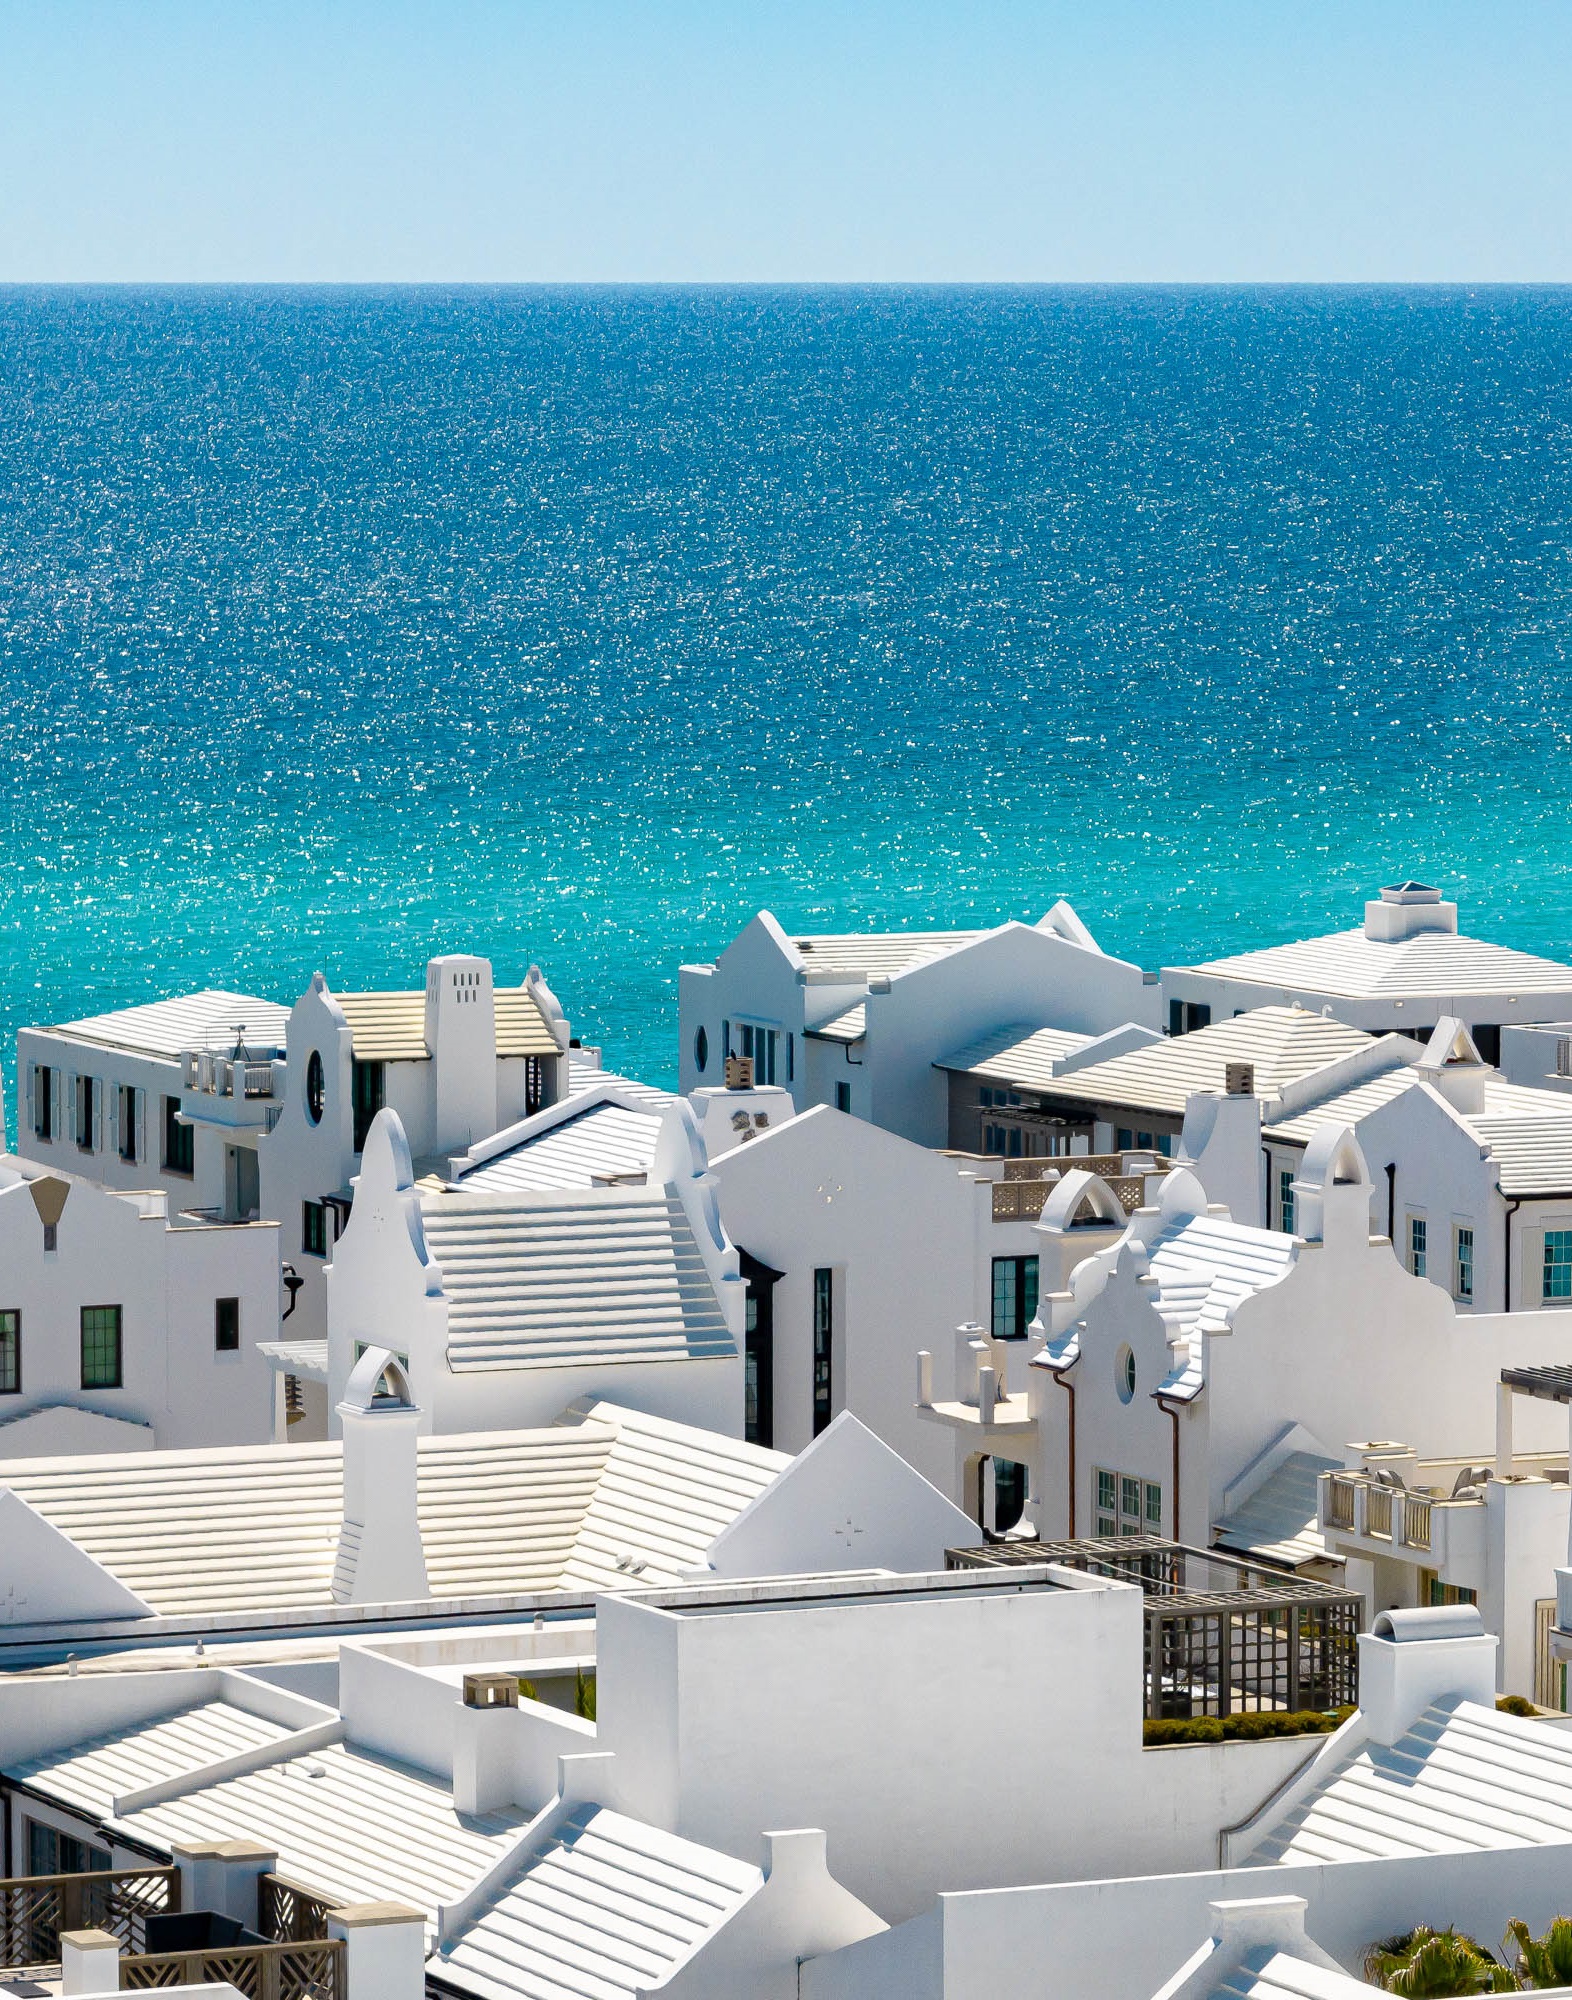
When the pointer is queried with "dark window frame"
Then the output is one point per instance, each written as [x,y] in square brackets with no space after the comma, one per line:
[126,1143]
[758,1425]
[823,1348]
[98,1377]
[10,1351]
[226,1326]
[1015,1290]
[179,1142]
[368,1091]
[314,1236]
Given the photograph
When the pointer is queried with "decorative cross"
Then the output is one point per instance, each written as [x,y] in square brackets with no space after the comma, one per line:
[13,1603]
[846,1531]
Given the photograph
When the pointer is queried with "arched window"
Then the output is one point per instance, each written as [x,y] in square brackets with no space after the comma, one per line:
[701,1050]
[1124,1374]
[316,1088]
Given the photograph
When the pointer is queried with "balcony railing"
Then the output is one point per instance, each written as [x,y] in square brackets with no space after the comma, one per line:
[1416,1521]
[35,1909]
[1378,1511]
[226,1076]
[1018,1198]
[1340,1503]
[288,1913]
[1354,1503]
[299,1971]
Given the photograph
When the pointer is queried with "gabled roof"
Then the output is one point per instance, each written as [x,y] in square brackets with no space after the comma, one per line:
[1529,1132]
[603,1140]
[1464,1777]
[1284,1044]
[1269,1974]
[1278,1521]
[1431,965]
[882,952]
[608,1909]
[165,1029]
[1206,1265]
[1017,1055]
[587,1076]
[255,1528]
[594,1275]
[391,1027]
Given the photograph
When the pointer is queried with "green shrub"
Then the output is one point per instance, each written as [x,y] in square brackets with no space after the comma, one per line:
[1243,1728]
[1514,1704]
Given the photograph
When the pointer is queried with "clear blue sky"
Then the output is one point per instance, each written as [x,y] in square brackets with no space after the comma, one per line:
[785,139]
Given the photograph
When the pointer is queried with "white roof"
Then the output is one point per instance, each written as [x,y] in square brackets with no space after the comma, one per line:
[606,1911]
[1431,965]
[255,1528]
[1269,1974]
[1205,1265]
[885,952]
[1464,1777]
[90,1776]
[1529,1132]
[1017,1055]
[586,1076]
[167,1028]
[596,1143]
[1284,1044]
[848,1027]
[598,1275]
[1278,1521]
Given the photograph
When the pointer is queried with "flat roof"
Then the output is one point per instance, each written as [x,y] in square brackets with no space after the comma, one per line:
[166,1029]
[1430,965]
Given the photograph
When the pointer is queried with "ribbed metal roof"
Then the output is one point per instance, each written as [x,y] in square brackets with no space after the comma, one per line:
[1268,1974]
[1019,1055]
[1278,1521]
[604,1140]
[90,1776]
[598,1275]
[1284,1044]
[1465,1777]
[167,1028]
[848,1027]
[884,952]
[1432,965]
[255,1528]
[391,1027]
[585,1076]
[608,1910]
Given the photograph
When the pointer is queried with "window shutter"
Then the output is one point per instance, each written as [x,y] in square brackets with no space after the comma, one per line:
[32,1097]
[53,1076]
[140,1126]
[71,1090]
[96,1086]
[114,1117]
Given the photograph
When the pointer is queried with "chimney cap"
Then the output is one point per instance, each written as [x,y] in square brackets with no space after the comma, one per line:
[1410,892]
[1239,1079]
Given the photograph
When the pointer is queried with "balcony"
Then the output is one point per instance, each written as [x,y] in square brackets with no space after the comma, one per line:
[1022,1193]
[244,1089]
[1431,1515]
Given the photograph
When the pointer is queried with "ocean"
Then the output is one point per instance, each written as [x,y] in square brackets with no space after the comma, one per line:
[341,627]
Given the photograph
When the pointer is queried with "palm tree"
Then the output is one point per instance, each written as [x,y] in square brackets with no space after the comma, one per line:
[1543,1962]
[1436,1965]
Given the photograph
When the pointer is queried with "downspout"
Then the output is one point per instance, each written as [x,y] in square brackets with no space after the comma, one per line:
[1514,1202]
[1069,1389]
[1173,1417]
[1391,1204]
[1266,1175]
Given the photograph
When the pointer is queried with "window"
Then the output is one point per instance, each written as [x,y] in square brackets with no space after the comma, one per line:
[316,1087]
[88,1090]
[1126,1505]
[1558,1264]
[313,1228]
[758,1425]
[1563,1055]
[1124,1374]
[1009,1494]
[10,1353]
[701,1051]
[791,1058]
[843,1098]
[53,1853]
[758,1044]
[1418,1236]
[368,1094]
[1437,1592]
[179,1141]
[1125,1141]
[101,1347]
[1463,1266]
[1014,1296]
[43,1086]
[1285,1200]
[130,1118]
[823,1349]
[226,1326]
[1185,1016]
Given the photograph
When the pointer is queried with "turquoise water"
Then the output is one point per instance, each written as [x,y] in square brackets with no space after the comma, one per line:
[340,627]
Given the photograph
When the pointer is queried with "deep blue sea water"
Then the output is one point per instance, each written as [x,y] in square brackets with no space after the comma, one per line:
[343,626]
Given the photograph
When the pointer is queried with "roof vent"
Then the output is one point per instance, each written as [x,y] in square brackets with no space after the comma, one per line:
[1410,893]
[1239,1079]
[1406,909]
[491,1691]
[739,1072]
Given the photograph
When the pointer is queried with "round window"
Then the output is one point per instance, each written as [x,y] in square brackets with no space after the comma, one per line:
[1124,1374]
[701,1050]
[316,1088]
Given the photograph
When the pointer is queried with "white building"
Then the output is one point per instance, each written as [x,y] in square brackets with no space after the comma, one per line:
[1198,1376]
[133,1098]
[505,1303]
[860,1023]
[1473,1174]
[1403,969]
[123,1326]
[457,1062]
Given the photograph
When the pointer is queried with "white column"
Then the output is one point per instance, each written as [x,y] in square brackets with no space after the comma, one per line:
[385,1957]
[89,1962]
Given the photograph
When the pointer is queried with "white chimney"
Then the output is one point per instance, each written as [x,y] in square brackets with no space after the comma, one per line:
[1221,1144]
[461,1033]
[1411,1658]
[381,1559]
[1405,910]
[730,1118]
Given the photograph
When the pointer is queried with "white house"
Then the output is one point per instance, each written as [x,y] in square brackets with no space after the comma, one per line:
[123,1326]
[1197,1377]
[459,1061]
[507,1303]
[172,1095]
[1473,1174]
[1403,969]
[859,1023]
